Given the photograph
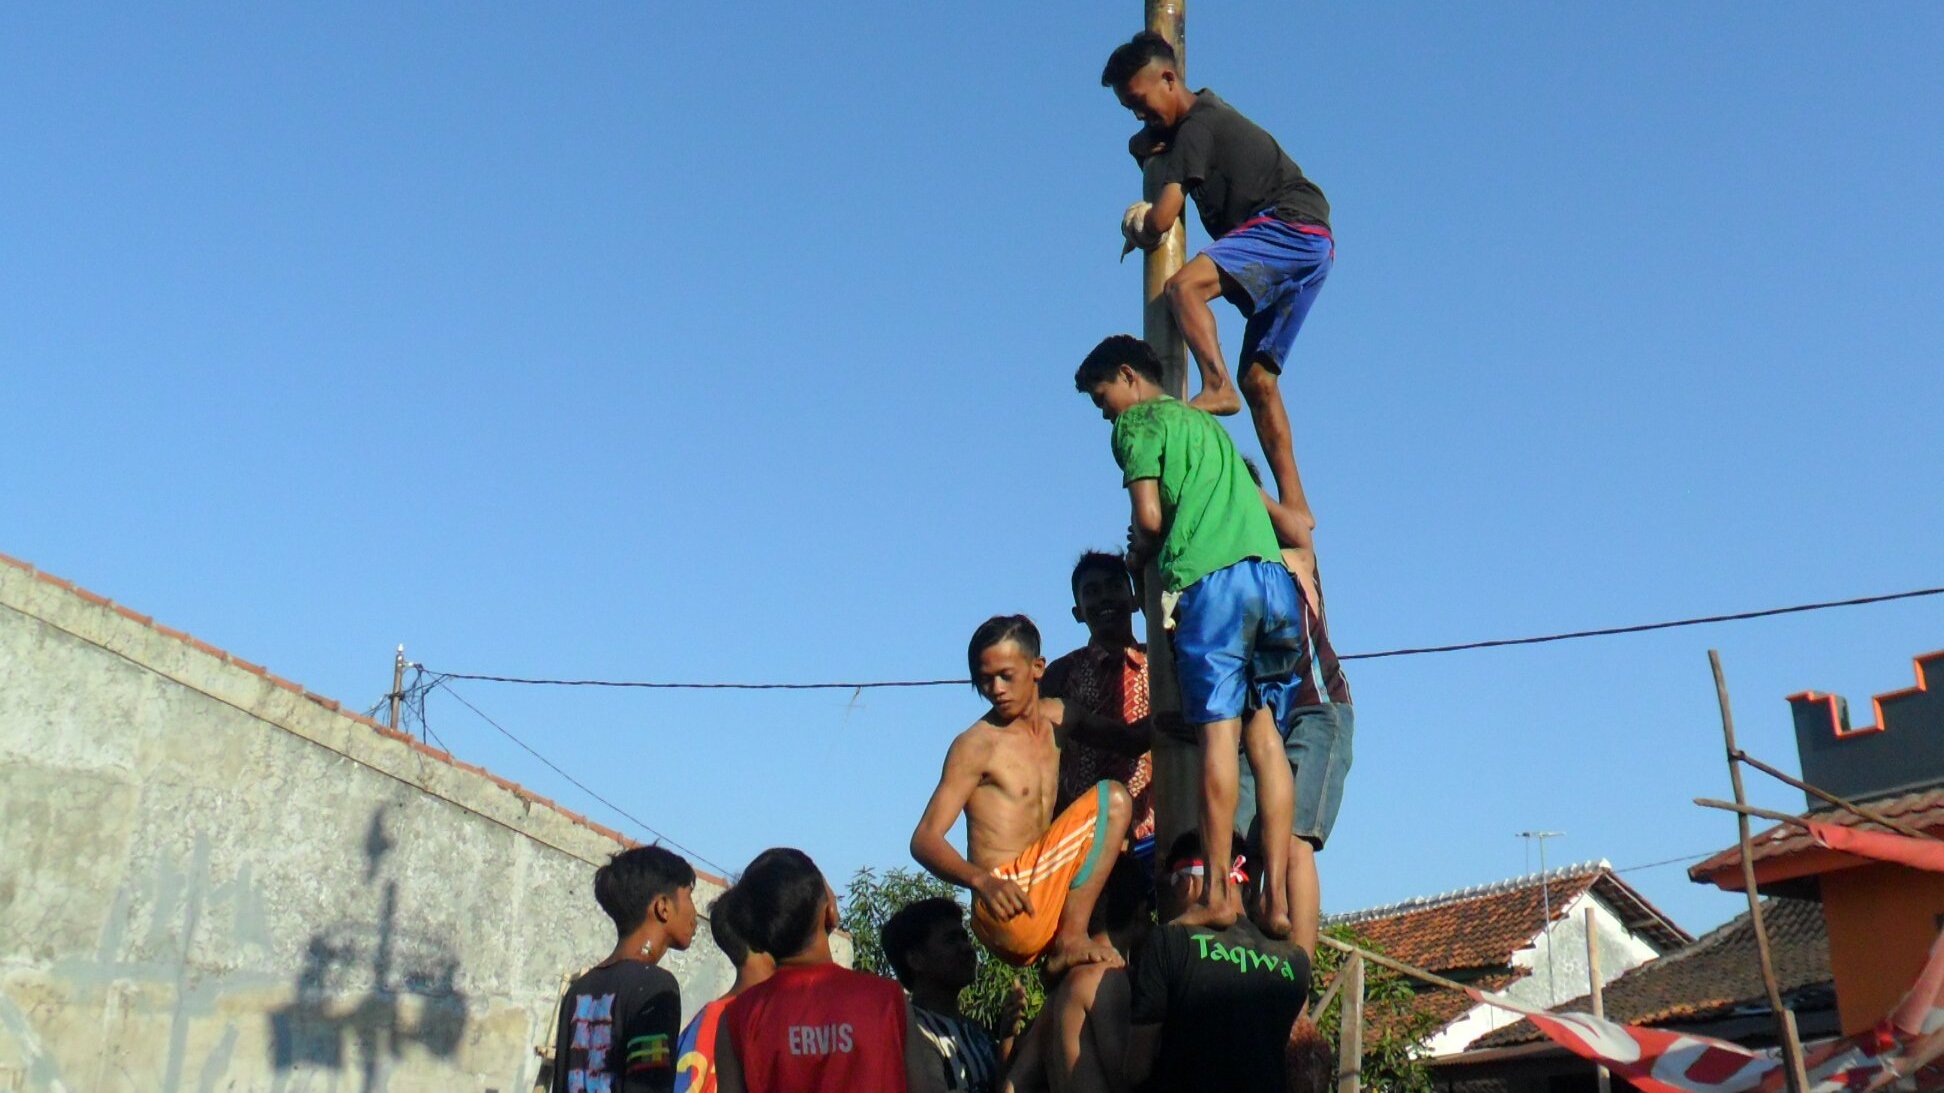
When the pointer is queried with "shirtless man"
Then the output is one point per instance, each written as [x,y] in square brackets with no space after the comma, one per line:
[1034,876]
[1079,1043]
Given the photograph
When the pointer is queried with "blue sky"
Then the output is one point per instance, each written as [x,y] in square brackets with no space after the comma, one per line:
[692,343]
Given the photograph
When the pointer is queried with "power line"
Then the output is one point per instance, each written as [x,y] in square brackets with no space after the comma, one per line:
[440,681]
[1664,861]
[1495,643]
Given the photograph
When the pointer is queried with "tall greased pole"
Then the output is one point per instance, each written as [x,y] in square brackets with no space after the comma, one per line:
[1177,762]
[398,687]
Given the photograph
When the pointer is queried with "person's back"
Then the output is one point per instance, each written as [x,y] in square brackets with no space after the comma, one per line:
[812,1027]
[1212,506]
[1225,1001]
[1236,171]
[820,1027]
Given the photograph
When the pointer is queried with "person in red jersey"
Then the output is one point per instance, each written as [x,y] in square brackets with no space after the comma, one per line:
[695,1067]
[812,1027]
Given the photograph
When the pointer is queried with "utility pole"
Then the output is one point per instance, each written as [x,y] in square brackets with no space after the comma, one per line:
[398,687]
[1545,902]
[1177,762]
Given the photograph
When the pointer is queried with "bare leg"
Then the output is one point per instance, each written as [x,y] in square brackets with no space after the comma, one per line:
[1071,944]
[1263,390]
[1305,895]
[1276,806]
[1289,511]
[1189,291]
[1220,771]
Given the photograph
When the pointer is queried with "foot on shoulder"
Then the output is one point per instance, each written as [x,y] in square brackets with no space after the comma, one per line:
[1202,914]
[1221,401]
[1271,916]
[1062,956]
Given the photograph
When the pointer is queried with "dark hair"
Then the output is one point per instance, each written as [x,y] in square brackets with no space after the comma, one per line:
[1014,628]
[1107,357]
[1133,55]
[1126,895]
[635,878]
[725,929]
[1188,845]
[1312,1061]
[1099,561]
[779,902]
[912,927]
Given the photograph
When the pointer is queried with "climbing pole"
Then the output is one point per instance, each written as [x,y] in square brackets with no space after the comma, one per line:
[1177,766]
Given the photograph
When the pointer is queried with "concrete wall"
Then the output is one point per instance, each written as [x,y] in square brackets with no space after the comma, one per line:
[210,880]
[1569,976]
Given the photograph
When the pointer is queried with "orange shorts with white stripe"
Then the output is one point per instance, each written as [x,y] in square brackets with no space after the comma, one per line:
[1059,861]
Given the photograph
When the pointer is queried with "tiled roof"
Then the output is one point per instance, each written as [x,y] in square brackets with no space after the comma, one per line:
[330,704]
[1923,809]
[1716,975]
[1480,928]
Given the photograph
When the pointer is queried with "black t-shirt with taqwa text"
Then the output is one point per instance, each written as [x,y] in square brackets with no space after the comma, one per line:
[1234,169]
[1225,1000]
[618,1027]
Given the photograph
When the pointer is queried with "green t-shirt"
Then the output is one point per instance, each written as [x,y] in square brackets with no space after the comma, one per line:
[1212,509]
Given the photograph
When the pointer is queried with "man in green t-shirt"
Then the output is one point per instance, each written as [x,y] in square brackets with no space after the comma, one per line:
[1240,638]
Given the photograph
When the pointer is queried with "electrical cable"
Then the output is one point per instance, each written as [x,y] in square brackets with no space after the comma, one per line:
[1494,643]
[440,681]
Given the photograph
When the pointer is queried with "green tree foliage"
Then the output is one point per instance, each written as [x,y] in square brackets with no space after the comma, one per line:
[1393,1026]
[873,898]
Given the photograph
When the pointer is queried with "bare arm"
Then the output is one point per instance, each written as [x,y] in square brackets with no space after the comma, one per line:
[728,1068]
[1108,1030]
[964,765]
[1105,733]
[1142,1043]
[1146,526]
[1167,209]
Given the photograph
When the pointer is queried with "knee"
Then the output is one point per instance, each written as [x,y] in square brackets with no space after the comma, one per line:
[1259,384]
[1120,803]
[1186,286]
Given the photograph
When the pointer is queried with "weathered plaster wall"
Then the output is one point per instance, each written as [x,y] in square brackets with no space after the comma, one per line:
[210,880]
[1569,978]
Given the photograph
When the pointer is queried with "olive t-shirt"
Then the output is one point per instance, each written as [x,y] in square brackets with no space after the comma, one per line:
[1234,169]
[1212,509]
[1225,1000]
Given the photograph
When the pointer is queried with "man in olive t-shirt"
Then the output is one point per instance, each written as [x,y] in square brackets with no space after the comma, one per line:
[1240,640]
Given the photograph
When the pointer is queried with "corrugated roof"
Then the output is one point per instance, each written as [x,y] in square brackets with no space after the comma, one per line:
[1923,809]
[1481,927]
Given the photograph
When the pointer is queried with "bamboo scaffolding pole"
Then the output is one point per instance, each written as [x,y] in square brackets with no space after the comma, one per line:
[1350,1030]
[1784,1028]
[1850,807]
[1594,987]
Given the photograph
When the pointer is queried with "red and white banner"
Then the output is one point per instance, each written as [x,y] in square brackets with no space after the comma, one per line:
[1898,1054]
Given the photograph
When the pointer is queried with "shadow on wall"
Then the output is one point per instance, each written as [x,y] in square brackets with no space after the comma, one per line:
[370,991]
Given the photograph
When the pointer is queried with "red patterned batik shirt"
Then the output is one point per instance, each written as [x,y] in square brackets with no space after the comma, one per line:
[1111,683]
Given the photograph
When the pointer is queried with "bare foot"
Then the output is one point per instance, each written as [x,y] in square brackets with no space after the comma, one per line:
[1202,914]
[1271,913]
[1066,953]
[1220,401]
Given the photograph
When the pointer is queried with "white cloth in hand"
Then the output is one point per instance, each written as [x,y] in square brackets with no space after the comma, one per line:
[1134,226]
